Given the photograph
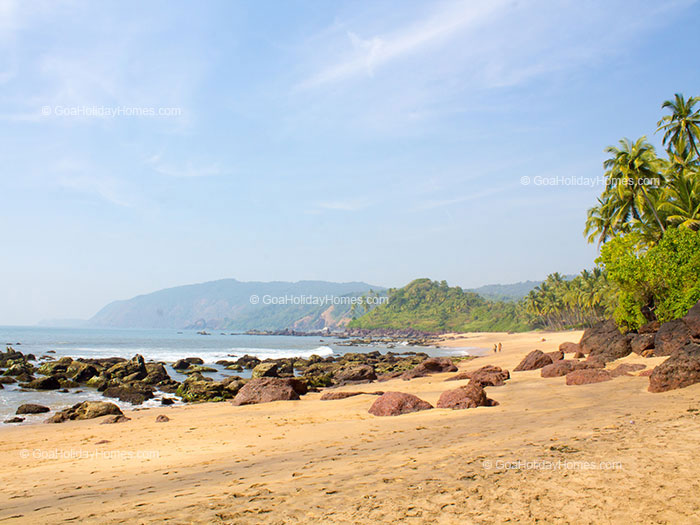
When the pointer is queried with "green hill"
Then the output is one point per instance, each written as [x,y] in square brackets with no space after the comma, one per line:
[432,306]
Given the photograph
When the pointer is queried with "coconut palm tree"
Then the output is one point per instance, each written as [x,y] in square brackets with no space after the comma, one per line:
[683,124]
[682,202]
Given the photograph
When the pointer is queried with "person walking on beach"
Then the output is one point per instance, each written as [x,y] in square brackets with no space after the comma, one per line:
[495,348]
[500,347]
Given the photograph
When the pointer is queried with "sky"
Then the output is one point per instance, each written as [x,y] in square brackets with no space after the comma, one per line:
[152,144]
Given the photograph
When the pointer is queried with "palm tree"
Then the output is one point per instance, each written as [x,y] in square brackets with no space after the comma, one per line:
[601,223]
[632,171]
[683,201]
[683,124]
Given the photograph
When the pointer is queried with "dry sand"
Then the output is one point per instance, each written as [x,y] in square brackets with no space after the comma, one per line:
[602,453]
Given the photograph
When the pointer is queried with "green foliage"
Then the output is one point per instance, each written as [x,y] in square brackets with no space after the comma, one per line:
[661,282]
[432,306]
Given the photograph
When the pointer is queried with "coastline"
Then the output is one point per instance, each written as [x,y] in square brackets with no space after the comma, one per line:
[331,461]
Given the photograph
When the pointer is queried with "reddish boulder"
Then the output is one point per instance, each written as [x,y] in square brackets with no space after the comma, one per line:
[469,396]
[332,396]
[397,403]
[692,320]
[557,355]
[579,355]
[671,338]
[534,360]
[605,341]
[432,365]
[488,375]
[641,342]
[678,371]
[267,389]
[563,367]
[570,348]
[650,328]
[587,376]
[624,369]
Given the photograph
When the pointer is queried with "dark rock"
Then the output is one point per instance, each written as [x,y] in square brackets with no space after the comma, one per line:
[55,367]
[110,420]
[587,376]
[650,328]
[31,408]
[680,370]
[181,364]
[641,342]
[167,401]
[14,420]
[488,375]
[570,348]
[7,380]
[44,383]
[355,374]
[534,360]
[194,360]
[432,365]
[81,372]
[128,371]
[624,369]
[563,367]
[397,403]
[162,419]
[469,396]
[268,389]
[248,361]
[671,337]
[557,355]
[692,320]
[332,396]
[579,355]
[156,374]
[86,410]
[605,341]
[265,370]
[199,388]
[134,393]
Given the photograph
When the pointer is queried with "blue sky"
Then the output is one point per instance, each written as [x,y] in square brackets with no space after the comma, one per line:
[374,141]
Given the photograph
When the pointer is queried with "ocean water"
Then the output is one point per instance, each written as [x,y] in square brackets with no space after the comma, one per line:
[161,345]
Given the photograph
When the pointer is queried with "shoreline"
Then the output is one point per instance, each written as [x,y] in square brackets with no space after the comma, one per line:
[331,461]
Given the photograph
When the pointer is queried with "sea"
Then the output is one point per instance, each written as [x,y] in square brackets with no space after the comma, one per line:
[164,346]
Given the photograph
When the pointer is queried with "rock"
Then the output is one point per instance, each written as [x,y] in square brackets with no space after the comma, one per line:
[31,408]
[563,367]
[194,360]
[265,370]
[488,375]
[332,396]
[7,380]
[432,365]
[268,389]
[167,401]
[650,328]
[645,373]
[198,388]
[605,341]
[569,348]
[355,374]
[469,396]
[55,367]
[641,342]
[692,320]
[397,403]
[162,419]
[128,371]
[671,337]
[680,370]
[110,420]
[81,372]
[134,393]
[534,360]
[156,374]
[248,361]
[624,369]
[557,355]
[44,383]
[86,410]
[587,376]
[181,364]
[579,355]
[14,420]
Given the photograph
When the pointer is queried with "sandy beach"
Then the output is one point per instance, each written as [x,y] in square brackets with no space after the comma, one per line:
[550,453]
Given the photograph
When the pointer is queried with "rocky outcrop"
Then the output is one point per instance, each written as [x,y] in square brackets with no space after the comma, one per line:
[86,410]
[354,374]
[488,375]
[692,320]
[678,371]
[671,337]
[588,376]
[197,388]
[557,355]
[625,369]
[110,420]
[605,342]
[268,389]
[641,342]
[469,396]
[397,403]
[563,367]
[81,372]
[265,370]
[31,408]
[43,383]
[533,361]
[134,393]
[432,365]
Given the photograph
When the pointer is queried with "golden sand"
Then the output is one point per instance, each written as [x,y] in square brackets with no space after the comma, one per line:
[549,453]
